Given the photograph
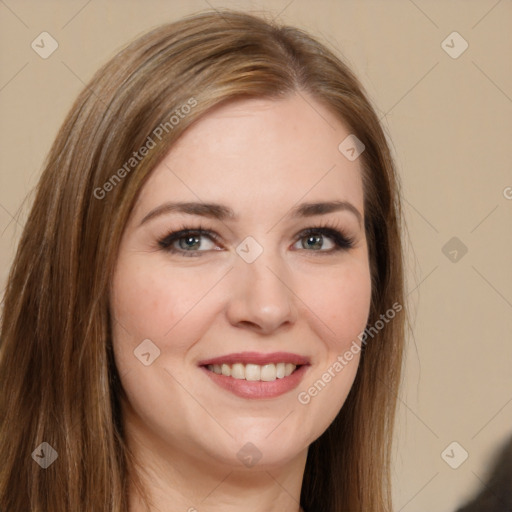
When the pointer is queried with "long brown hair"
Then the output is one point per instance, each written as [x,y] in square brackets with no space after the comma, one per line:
[58,381]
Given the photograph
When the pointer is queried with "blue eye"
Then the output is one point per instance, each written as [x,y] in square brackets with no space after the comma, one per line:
[187,241]
[314,235]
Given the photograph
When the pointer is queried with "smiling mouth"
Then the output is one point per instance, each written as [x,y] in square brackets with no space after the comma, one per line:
[254,372]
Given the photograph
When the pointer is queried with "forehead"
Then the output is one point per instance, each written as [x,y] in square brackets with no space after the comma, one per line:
[259,155]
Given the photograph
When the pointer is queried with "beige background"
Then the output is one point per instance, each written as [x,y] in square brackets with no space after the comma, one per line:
[450,124]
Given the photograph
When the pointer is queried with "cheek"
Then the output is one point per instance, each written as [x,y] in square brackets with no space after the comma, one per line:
[343,305]
[342,301]
[148,302]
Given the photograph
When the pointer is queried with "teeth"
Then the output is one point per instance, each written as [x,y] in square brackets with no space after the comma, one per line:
[226,370]
[254,372]
[237,371]
[268,372]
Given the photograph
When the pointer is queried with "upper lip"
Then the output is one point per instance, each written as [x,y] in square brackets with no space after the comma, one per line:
[257,358]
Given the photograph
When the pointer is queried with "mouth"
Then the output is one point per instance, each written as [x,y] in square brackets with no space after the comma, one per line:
[254,375]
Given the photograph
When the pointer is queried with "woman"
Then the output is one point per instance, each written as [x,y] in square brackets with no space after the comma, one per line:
[205,309]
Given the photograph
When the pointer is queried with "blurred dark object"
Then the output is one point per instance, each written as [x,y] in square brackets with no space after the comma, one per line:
[496,496]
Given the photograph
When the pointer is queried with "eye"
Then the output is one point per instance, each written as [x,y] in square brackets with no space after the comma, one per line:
[188,241]
[313,238]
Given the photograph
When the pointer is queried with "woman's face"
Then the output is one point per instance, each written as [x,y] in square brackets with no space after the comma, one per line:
[254,293]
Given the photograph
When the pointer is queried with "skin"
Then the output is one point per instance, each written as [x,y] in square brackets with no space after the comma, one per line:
[260,157]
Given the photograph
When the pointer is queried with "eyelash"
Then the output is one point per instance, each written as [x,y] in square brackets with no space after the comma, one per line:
[339,238]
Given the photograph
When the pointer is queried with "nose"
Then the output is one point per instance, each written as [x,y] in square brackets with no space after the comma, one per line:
[262,296]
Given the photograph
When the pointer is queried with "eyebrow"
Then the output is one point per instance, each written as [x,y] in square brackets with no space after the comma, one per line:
[222,212]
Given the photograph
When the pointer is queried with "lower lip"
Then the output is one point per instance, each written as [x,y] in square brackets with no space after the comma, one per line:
[256,388]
